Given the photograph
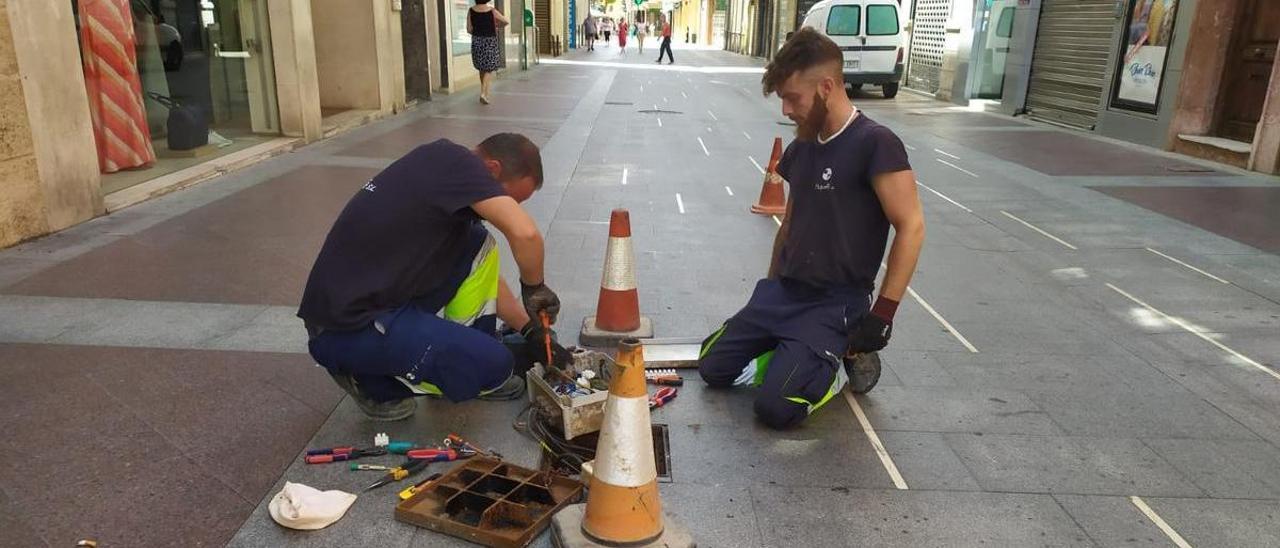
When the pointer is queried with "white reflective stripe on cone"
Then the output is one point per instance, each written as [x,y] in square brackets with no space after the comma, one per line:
[619,274]
[624,455]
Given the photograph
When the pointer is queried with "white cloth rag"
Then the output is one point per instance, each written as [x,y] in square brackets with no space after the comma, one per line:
[298,506]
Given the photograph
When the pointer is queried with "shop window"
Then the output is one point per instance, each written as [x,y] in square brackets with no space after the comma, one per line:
[882,20]
[1004,26]
[844,20]
[1144,52]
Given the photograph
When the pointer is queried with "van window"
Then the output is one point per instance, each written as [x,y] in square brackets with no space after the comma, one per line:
[844,20]
[1004,27]
[882,20]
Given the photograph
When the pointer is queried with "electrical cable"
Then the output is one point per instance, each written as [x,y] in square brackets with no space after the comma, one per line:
[565,455]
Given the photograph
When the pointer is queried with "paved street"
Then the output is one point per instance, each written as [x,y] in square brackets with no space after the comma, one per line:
[1090,354]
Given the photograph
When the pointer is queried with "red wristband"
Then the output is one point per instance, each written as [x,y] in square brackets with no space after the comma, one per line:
[885,308]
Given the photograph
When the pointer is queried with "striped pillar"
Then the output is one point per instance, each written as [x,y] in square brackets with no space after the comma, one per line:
[623,505]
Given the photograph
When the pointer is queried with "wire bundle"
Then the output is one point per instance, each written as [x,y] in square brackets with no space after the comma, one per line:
[566,457]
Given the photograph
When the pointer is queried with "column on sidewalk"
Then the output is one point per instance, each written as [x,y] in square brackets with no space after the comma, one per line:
[48,163]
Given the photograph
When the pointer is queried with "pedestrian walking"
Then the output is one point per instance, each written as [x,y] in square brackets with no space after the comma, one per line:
[483,22]
[642,31]
[622,35]
[589,28]
[607,27]
[665,28]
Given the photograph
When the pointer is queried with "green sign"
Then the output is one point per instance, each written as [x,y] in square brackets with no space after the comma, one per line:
[528,17]
[638,2]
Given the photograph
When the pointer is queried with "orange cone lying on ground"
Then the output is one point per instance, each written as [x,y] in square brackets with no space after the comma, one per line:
[623,506]
[618,310]
[773,198]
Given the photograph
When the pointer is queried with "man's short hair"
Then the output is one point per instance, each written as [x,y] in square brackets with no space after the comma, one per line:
[517,154]
[807,48]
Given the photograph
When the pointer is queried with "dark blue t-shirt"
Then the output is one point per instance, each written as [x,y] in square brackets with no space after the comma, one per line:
[399,236]
[838,230]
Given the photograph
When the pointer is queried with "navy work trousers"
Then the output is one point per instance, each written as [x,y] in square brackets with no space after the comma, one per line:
[806,330]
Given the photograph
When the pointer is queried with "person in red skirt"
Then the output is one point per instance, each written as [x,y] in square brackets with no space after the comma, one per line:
[623,27]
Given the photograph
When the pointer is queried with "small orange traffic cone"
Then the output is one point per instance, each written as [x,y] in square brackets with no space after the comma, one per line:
[773,198]
[623,505]
[618,310]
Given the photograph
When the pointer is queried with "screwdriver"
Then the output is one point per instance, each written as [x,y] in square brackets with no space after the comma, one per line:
[546,333]
[433,455]
[398,473]
[345,455]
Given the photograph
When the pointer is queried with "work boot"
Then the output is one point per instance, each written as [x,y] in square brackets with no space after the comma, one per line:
[864,371]
[512,389]
[379,411]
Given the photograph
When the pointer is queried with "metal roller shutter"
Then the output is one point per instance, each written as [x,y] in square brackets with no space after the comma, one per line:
[542,20]
[928,36]
[1068,68]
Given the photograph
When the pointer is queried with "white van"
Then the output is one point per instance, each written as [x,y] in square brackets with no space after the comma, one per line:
[869,32]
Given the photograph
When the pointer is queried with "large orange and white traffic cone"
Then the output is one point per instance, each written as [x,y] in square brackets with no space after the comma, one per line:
[623,506]
[618,310]
[773,198]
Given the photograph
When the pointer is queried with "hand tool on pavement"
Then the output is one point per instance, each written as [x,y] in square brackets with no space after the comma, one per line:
[353,454]
[662,396]
[433,455]
[663,377]
[380,467]
[454,441]
[331,450]
[409,468]
[409,491]
[400,447]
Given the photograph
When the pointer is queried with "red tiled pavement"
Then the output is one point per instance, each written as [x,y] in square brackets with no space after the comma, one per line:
[145,446]
[1245,214]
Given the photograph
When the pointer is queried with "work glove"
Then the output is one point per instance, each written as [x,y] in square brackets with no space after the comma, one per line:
[540,298]
[871,332]
[535,345]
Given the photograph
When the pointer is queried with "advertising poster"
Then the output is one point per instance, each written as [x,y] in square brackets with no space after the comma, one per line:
[1148,33]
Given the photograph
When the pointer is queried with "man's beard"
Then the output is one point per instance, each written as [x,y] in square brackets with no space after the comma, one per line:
[808,128]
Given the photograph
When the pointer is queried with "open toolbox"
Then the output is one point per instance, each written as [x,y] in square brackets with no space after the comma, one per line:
[575,414]
[487,501]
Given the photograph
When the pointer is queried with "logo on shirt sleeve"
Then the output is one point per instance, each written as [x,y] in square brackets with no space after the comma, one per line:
[370,187]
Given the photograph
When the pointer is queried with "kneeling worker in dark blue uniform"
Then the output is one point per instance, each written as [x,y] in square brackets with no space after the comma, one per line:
[405,295]
[850,181]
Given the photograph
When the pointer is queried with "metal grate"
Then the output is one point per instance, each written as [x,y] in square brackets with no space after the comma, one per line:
[928,36]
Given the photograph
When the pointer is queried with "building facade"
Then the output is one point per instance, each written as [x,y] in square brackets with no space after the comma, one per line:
[109,102]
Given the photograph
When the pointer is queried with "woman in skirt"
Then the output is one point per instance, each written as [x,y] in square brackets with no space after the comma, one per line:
[483,22]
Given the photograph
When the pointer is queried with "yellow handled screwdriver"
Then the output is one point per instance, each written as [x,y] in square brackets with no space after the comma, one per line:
[400,472]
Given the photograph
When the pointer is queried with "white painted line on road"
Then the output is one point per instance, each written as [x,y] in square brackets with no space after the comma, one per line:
[680,203]
[655,106]
[755,163]
[947,154]
[944,197]
[777,220]
[1210,276]
[909,147]
[881,452]
[713,116]
[945,324]
[962,170]
[1198,332]
[641,89]
[624,176]
[708,129]
[1159,521]
[664,99]
[1037,229]
[729,190]
[747,135]
[659,122]
[704,147]
[683,95]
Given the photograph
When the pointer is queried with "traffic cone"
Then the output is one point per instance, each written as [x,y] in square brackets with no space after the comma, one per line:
[623,505]
[773,198]
[618,310]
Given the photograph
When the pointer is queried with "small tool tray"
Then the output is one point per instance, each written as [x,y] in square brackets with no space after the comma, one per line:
[487,501]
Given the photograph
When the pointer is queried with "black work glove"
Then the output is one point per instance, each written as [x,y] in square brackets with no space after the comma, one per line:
[871,332]
[535,345]
[540,298]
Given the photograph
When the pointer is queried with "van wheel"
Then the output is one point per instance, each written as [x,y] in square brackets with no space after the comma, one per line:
[890,90]
[851,89]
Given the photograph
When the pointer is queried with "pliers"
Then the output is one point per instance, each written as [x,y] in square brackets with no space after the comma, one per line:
[662,396]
